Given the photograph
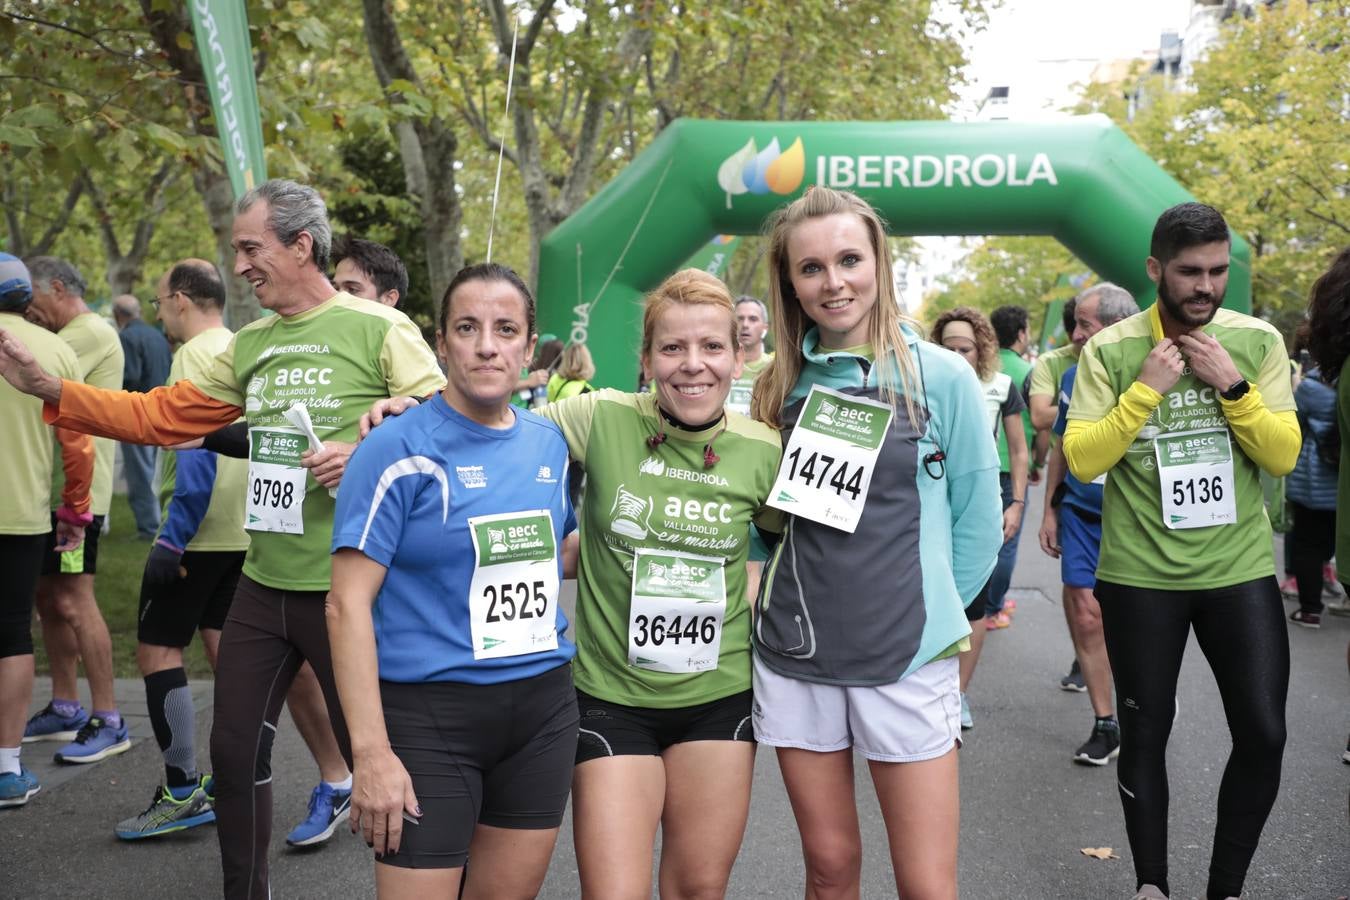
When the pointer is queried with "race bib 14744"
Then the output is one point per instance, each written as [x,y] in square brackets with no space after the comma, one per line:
[828,463]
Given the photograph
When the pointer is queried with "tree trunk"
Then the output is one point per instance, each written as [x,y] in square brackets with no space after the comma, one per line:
[427,147]
[217,194]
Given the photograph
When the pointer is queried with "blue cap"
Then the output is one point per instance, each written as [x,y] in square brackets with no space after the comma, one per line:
[16,285]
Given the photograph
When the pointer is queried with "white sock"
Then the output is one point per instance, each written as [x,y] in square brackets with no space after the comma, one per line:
[9,760]
[343,785]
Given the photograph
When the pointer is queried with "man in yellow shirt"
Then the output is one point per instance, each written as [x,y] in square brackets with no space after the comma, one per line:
[25,485]
[1184,404]
[73,628]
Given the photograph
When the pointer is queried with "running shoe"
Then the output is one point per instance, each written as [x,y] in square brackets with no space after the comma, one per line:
[1074,680]
[1149,892]
[50,725]
[1306,619]
[1331,587]
[1289,589]
[15,790]
[1010,605]
[166,814]
[998,620]
[1102,747]
[967,722]
[328,808]
[95,741]
[1339,606]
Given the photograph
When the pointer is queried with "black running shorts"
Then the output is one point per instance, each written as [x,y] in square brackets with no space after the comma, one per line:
[496,754]
[83,560]
[170,615]
[609,729]
[20,562]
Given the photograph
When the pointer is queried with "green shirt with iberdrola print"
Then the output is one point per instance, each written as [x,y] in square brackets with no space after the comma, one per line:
[336,359]
[663,498]
[1138,549]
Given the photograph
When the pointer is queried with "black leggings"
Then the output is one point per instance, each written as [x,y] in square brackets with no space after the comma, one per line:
[1241,631]
[1312,542]
[267,635]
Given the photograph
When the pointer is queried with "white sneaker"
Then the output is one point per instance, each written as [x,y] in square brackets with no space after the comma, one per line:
[1149,892]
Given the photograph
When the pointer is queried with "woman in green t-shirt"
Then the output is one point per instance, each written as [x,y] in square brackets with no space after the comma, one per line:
[673,481]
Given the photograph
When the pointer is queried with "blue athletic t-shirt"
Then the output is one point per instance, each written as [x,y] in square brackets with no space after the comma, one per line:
[1082,497]
[405,501]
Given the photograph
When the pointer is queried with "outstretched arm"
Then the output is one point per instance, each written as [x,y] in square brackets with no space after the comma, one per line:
[167,415]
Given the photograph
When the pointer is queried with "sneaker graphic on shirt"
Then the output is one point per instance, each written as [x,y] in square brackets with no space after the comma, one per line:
[632,514]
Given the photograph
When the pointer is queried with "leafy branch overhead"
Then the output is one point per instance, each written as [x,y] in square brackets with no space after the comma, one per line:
[349,87]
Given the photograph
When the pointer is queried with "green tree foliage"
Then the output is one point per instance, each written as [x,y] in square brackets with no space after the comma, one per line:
[89,155]
[1022,270]
[1260,133]
[1268,129]
[106,129]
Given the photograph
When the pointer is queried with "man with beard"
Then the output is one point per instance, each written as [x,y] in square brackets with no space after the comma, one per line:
[1182,405]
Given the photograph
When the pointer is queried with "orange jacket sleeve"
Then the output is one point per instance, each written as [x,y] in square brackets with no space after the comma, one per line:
[167,415]
[77,458]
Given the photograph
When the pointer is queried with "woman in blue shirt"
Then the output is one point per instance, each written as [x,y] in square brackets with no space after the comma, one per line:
[448,643]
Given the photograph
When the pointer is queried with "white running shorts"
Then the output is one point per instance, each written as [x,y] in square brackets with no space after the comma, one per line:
[913,719]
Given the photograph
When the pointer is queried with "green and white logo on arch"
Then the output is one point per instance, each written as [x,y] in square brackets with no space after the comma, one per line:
[1081,181]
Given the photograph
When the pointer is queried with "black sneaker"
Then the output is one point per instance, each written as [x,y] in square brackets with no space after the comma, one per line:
[1305,618]
[1102,746]
[1074,680]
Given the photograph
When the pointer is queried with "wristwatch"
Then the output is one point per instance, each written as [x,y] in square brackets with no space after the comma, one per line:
[1237,391]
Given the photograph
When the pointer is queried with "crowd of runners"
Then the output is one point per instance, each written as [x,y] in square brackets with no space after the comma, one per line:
[801,549]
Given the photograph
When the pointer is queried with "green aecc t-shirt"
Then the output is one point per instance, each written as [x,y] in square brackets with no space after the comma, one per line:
[1137,548]
[336,359]
[662,498]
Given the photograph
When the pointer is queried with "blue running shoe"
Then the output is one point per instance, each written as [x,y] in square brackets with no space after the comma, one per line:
[96,740]
[328,807]
[166,814]
[967,721]
[16,789]
[49,725]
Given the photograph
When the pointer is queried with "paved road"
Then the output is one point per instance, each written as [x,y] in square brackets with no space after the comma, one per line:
[1026,810]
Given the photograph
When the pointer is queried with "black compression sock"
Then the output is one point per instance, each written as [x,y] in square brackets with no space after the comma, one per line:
[173,717]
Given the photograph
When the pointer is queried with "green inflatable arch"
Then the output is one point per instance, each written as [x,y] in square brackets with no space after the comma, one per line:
[1081,180]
